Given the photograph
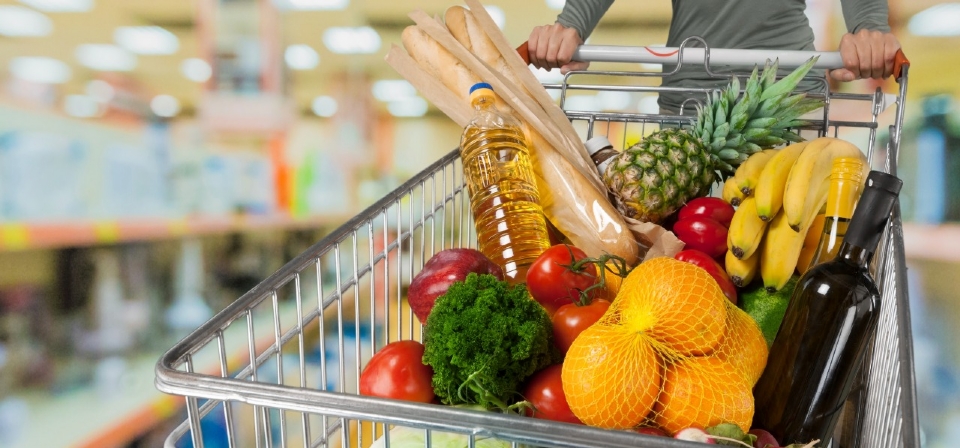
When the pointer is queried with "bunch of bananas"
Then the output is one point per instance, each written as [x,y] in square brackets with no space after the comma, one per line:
[779,193]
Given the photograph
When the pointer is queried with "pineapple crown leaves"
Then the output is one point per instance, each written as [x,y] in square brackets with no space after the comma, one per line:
[731,125]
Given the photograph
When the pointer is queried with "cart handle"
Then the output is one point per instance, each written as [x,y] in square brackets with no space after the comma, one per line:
[722,56]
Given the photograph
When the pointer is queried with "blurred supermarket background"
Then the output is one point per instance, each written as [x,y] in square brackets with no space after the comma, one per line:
[159,157]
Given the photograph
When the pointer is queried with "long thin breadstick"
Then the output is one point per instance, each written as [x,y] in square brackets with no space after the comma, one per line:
[437,93]
[577,155]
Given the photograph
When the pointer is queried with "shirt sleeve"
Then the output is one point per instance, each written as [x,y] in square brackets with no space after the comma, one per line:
[865,14]
[583,15]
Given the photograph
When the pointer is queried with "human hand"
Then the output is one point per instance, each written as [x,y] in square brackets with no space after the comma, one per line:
[867,54]
[552,46]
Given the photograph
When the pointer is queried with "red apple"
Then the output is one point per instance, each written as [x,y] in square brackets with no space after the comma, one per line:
[442,270]
[764,439]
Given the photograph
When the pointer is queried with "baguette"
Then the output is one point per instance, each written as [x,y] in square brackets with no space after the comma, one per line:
[429,86]
[576,153]
[584,216]
[437,61]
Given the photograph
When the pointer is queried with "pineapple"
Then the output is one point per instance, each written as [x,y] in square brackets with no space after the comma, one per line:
[656,176]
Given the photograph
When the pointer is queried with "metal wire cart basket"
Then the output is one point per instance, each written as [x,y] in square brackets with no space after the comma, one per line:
[287,355]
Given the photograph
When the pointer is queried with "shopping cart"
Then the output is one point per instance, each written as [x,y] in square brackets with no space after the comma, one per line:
[280,366]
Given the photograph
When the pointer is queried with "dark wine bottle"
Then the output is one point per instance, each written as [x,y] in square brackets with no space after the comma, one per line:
[823,337]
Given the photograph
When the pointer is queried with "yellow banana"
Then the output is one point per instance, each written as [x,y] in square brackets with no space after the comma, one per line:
[746,230]
[808,181]
[731,193]
[773,179]
[742,272]
[781,248]
[810,243]
[748,173]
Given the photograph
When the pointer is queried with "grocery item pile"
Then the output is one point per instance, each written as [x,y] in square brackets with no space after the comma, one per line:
[654,308]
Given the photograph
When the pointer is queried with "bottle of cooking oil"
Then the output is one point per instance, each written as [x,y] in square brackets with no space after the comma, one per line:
[511,228]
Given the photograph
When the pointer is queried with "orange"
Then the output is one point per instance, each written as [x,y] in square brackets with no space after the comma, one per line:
[613,283]
[703,391]
[611,377]
[743,345]
[676,303]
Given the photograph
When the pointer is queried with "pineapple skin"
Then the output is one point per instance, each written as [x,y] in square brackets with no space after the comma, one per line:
[654,178]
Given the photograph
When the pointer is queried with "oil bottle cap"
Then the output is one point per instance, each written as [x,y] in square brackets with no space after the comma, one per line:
[597,143]
[480,85]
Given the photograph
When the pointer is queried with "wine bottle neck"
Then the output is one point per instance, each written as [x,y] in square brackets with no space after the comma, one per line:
[846,179]
[854,254]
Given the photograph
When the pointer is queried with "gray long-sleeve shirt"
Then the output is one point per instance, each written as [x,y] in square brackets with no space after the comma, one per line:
[744,24]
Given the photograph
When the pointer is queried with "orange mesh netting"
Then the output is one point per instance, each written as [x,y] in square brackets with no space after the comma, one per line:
[671,352]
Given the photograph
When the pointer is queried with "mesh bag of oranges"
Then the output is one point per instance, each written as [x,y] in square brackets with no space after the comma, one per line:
[671,352]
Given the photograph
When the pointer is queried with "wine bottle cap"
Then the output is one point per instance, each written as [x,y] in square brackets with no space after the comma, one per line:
[884,181]
[597,143]
[873,210]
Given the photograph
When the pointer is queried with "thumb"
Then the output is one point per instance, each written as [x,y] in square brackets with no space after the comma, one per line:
[574,66]
[842,74]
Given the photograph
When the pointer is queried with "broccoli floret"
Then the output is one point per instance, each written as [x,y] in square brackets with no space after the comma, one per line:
[483,338]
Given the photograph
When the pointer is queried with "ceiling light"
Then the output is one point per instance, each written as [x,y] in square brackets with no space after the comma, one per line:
[40,70]
[80,106]
[146,39]
[60,5]
[352,40]
[196,69]
[387,90]
[311,5]
[165,106]
[324,106]
[939,20]
[301,57]
[498,16]
[106,57]
[410,107]
[17,21]
[614,100]
[556,4]
[100,90]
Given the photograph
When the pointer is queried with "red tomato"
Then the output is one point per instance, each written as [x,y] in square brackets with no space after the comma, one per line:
[545,391]
[714,208]
[703,234]
[571,319]
[552,283]
[397,371]
[702,260]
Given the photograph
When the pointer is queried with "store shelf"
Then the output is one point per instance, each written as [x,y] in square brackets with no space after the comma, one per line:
[90,418]
[936,242]
[16,237]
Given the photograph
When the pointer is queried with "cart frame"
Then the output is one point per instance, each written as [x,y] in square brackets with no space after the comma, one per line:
[375,254]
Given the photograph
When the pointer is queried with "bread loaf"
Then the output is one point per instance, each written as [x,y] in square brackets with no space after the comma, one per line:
[437,61]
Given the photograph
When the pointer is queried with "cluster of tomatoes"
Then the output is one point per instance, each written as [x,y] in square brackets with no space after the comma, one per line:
[702,226]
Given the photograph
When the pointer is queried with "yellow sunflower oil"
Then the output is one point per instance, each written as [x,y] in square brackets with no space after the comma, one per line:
[511,228]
